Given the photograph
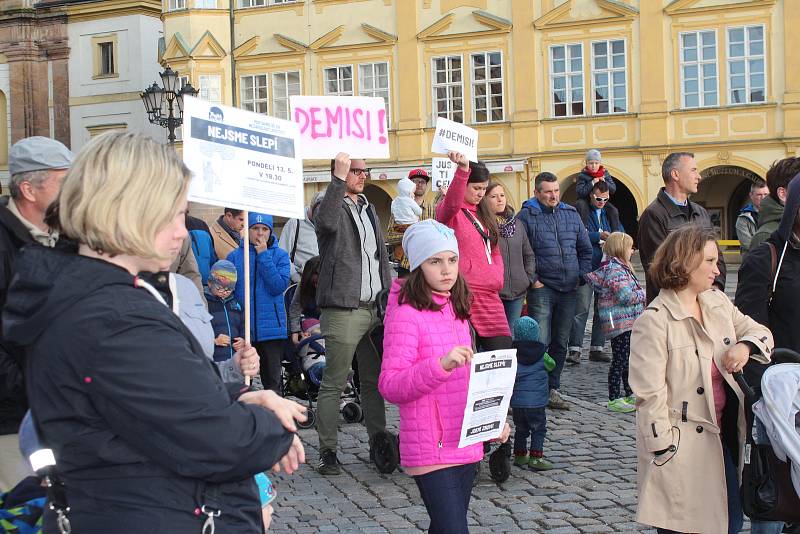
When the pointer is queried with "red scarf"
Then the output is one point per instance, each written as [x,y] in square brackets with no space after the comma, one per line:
[601,172]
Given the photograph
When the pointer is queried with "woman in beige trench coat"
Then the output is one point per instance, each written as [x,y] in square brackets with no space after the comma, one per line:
[690,412]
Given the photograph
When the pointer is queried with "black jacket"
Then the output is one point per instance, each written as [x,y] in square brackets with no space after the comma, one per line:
[660,218]
[143,429]
[782,315]
[13,236]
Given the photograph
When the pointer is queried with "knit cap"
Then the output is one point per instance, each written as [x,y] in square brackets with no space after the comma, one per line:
[223,275]
[254,218]
[593,155]
[425,239]
[526,329]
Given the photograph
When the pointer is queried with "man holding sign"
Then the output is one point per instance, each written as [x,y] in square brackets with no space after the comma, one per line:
[354,270]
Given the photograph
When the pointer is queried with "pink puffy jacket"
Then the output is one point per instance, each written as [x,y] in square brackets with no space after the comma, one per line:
[431,400]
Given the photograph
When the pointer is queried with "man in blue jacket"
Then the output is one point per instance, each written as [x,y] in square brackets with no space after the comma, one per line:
[599,222]
[269,278]
[563,255]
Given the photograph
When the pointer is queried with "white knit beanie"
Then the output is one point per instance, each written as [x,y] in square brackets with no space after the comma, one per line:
[426,238]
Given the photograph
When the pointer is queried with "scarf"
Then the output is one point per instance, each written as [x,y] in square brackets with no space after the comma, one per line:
[507,226]
[601,172]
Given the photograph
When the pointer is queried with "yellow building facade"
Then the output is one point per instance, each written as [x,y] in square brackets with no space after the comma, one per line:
[541,80]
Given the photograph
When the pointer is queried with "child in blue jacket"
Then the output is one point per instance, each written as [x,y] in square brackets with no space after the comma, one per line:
[226,312]
[531,392]
[270,269]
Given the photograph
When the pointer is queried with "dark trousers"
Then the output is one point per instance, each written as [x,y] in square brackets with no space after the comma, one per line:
[529,422]
[270,354]
[493,343]
[621,353]
[446,493]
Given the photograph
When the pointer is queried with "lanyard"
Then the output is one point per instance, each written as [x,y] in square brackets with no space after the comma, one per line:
[482,231]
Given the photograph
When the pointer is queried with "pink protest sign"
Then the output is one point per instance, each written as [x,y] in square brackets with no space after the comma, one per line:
[332,124]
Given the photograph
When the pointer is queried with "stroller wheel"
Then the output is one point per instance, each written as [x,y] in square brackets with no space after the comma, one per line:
[500,463]
[310,421]
[385,452]
[352,412]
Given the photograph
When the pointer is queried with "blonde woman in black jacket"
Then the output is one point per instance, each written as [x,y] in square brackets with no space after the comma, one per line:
[146,436]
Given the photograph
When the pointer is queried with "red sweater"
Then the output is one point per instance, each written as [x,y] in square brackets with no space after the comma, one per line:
[485,280]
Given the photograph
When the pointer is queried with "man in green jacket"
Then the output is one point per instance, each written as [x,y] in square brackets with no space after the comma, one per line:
[769,217]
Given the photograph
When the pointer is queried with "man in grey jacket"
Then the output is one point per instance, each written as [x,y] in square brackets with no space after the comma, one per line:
[299,239]
[354,269]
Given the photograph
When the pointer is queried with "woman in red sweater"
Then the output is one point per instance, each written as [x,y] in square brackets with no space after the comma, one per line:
[480,258]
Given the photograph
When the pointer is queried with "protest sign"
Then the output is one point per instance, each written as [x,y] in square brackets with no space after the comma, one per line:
[491,383]
[443,172]
[242,159]
[455,136]
[332,124]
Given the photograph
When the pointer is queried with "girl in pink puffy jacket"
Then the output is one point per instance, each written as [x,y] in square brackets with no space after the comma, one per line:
[425,372]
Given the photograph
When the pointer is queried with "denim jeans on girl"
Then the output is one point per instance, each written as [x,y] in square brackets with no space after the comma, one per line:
[446,493]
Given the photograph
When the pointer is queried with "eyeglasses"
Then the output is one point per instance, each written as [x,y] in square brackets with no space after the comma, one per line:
[221,289]
[359,172]
[601,199]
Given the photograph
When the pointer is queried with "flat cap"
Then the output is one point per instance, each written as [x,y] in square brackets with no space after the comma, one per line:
[38,153]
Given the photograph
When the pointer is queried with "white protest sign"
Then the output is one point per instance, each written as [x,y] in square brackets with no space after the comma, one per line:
[242,160]
[443,172]
[332,124]
[491,383]
[455,136]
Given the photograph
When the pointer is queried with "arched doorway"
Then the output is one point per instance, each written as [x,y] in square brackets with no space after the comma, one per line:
[723,191]
[382,202]
[623,199]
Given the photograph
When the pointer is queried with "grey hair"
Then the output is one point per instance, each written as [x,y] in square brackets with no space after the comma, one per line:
[757,184]
[671,163]
[544,177]
[36,179]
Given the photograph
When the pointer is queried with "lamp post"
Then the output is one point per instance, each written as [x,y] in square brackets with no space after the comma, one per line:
[164,105]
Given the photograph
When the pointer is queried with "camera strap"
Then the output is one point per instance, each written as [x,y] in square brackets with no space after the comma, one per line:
[487,243]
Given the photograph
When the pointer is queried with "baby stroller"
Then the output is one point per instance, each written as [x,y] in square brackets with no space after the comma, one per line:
[767,490]
[302,375]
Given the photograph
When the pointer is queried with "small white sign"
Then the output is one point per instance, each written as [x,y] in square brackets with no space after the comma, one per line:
[454,136]
[443,171]
[332,124]
[242,160]
[491,384]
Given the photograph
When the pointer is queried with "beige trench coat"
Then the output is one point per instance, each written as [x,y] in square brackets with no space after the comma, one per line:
[670,374]
[224,244]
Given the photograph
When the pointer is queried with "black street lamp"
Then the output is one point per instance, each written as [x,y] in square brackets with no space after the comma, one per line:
[164,105]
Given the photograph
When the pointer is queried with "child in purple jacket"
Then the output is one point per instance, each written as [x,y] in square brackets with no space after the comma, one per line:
[425,372]
[620,301]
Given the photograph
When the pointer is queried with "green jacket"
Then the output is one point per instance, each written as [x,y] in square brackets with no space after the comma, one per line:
[769,217]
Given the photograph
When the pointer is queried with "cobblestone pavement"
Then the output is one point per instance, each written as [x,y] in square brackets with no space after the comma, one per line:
[591,489]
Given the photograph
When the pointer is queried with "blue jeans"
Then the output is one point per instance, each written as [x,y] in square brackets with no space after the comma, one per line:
[446,493]
[529,422]
[554,311]
[513,311]
[735,513]
[582,305]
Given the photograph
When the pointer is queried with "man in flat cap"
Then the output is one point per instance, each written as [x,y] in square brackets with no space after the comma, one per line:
[37,166]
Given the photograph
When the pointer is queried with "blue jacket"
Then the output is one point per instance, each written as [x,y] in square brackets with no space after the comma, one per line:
[269,278]
[227,317]
[560,244]
[203,248]
[531,389]
[593,226]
